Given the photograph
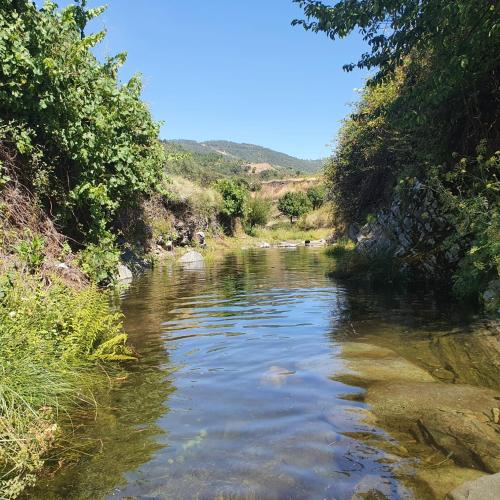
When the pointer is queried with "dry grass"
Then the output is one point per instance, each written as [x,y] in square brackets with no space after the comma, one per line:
[317,219]
[275,189]
[22,220]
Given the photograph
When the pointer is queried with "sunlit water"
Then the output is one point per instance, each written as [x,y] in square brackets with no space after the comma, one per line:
[235,392]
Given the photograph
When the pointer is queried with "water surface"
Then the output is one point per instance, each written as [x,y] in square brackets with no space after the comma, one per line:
[237,394]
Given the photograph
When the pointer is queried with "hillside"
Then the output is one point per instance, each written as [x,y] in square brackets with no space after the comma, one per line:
[250,153]
[205,165]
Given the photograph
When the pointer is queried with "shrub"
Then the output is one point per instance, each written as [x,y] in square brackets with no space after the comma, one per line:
[258,211]
[31,252]
[294,205]
[99,261]
[234,197]
[87,143]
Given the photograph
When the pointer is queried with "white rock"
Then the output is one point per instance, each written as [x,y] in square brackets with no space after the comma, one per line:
[191,256]
[124,273]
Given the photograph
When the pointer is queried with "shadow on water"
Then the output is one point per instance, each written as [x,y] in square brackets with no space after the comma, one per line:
[238,392]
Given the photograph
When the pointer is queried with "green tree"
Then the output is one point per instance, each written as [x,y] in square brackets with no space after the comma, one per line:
[317,195]
[234,197]
[294,205]
[258,211]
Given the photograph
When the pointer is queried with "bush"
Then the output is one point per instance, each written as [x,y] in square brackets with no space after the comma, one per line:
[87,144]
[294,205]
[49,337]
[100,261]
[31,252]
[257,213]
[234,197]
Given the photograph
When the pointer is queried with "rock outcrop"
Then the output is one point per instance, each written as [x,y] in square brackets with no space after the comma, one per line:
[413,229]
[191,257]
[461,421]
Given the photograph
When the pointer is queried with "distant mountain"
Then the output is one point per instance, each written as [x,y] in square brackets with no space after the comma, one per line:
[250,153]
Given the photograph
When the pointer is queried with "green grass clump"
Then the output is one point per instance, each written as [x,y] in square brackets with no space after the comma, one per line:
[50,336]
[286,231]
[340,248]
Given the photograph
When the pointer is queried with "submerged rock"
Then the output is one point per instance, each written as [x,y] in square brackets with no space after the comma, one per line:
[369,364]
[276,376]
[456,419]
[436,482]
[484,488]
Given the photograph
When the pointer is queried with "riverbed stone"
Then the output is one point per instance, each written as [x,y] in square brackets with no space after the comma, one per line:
[276,376]
[484,488]
[191,257]
[456,419]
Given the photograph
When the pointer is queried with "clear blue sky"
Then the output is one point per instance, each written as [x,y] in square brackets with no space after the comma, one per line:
[235,70]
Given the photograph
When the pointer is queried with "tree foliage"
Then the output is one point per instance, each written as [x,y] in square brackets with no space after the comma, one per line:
[430,111]
[317,195]
[294,204]
[87,143]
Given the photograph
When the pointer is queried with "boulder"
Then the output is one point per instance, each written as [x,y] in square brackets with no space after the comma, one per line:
[288,244]
[191,257]
[264,244]
[353,232]
[316,243]
[484,488]
[124,273]
[200,237]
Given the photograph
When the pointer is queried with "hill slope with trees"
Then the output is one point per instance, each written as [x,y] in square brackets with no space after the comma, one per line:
[250,153]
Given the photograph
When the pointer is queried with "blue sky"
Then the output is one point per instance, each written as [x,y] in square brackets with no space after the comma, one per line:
[235,70]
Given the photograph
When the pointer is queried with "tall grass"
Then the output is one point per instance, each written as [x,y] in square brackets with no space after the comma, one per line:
[50,337]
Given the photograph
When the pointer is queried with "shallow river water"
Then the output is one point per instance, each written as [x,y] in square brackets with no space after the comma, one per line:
[243,389]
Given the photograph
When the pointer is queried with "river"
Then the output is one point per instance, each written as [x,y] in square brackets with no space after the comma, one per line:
[250,383]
